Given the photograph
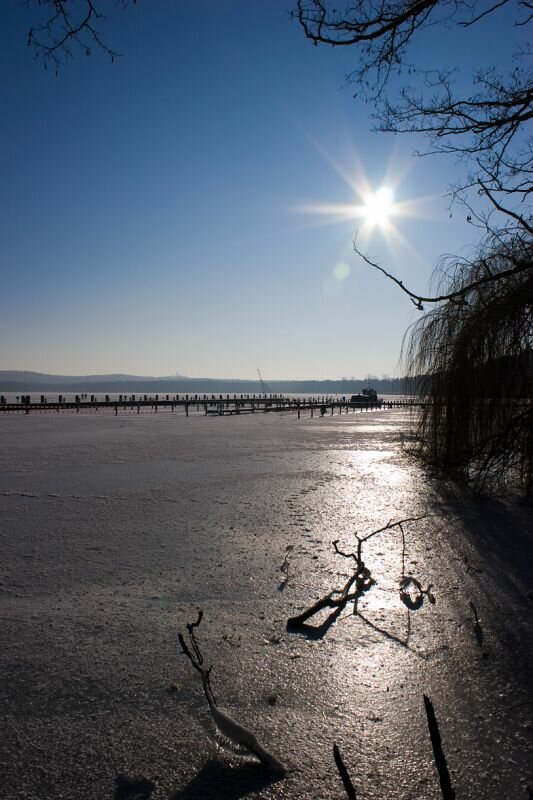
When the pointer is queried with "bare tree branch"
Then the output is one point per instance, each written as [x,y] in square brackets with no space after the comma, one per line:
[457,294]
[468,23]
[67,23]
[509,212]
[489,120]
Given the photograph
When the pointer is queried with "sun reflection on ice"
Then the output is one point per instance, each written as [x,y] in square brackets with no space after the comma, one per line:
[379,465]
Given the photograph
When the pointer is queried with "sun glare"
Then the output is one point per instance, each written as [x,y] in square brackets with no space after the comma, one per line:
[375,209]
[379,206]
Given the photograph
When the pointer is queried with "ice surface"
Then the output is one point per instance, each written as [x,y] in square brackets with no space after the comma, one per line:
[115,530]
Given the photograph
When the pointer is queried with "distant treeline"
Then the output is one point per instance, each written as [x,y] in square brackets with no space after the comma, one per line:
[37,382]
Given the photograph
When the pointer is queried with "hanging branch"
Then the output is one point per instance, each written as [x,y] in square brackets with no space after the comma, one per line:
[458,294]
[69,24]
[231,730]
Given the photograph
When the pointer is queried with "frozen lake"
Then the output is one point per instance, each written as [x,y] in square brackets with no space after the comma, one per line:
[116,530]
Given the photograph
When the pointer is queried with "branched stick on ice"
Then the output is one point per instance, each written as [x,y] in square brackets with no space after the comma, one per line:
[359,582]
[229,728]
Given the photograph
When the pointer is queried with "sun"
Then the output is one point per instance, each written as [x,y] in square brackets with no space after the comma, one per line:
[379,207]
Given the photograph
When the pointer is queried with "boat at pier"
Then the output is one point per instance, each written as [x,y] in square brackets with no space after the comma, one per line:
[368,397]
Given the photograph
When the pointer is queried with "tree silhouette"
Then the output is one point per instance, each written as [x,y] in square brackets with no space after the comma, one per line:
[474,347]
[66,26]
[475,356]
[486,128]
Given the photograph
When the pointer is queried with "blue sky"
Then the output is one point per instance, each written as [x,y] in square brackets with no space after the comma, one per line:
[153,216]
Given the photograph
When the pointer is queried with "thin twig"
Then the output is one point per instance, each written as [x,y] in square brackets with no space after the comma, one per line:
[511,708]
[458,294]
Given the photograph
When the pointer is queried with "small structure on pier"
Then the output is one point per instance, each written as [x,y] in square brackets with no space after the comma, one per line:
[368,397]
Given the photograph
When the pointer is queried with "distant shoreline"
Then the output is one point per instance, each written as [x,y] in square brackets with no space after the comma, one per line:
[28,382]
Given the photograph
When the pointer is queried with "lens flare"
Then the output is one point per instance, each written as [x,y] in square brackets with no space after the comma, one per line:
[341,271]
[375,209]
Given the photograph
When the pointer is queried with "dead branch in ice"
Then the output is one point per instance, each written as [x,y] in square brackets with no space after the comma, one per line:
[360,581]
[343,772]
[511,708]
[231,730]
[478,630]
[440,759]
[414,602]
[469,568]
[285,567]
[448,793]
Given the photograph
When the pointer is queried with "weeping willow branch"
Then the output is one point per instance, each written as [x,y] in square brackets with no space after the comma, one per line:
[476,359]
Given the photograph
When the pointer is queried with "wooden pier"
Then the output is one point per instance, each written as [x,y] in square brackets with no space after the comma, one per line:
[215,405]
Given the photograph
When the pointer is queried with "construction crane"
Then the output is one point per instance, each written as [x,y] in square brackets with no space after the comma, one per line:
[265,388]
